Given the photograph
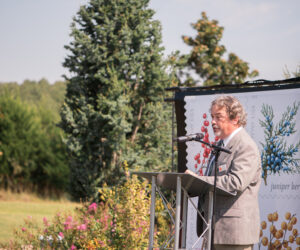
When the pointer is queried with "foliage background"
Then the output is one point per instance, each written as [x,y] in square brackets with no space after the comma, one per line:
[33,156]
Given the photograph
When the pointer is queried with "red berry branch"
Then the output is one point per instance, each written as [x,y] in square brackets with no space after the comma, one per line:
[204,150]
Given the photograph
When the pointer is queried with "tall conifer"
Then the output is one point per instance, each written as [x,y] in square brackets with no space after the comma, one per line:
[114,109]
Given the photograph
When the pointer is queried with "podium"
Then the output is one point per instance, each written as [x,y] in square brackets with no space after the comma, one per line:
[192,186]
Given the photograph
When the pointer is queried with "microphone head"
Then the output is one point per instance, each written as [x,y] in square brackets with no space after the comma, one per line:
[200,136]
[191,137]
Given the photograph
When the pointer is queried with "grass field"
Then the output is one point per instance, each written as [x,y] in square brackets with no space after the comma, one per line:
[14,208]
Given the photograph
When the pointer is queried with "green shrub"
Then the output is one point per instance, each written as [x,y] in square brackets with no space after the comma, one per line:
[121,221]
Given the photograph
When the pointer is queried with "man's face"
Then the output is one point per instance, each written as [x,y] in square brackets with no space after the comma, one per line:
[221,124]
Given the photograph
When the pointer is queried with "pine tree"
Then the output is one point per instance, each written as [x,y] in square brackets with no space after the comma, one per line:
[113,108]
[206,58]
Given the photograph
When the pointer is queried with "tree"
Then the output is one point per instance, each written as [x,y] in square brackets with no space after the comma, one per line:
[51,176]
[113,108]
[32,157]
[206,58]
[40,95]
[16,131]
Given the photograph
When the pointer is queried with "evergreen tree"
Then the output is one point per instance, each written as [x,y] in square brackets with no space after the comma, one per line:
[114,108]
[206,58]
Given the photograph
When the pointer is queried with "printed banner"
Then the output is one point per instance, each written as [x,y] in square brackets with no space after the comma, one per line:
[274,123]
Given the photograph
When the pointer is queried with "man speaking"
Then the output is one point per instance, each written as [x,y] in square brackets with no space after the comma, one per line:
[237,221]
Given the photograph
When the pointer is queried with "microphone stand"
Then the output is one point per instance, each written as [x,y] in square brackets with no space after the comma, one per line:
[216,151]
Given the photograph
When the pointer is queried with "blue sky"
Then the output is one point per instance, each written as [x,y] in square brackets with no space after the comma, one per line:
[264,33]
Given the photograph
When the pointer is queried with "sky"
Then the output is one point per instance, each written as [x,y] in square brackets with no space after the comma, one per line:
[264,33]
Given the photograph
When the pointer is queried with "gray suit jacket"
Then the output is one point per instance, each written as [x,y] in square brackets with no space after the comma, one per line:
[237,217]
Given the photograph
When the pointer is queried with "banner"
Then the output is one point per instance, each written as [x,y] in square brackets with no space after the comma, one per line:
[274,123]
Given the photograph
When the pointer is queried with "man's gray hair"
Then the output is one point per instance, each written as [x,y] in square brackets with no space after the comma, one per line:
[233,107]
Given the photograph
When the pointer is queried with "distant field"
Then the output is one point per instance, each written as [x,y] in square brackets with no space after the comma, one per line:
[15,208]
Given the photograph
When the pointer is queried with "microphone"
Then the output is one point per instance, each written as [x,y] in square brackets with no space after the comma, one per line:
[191,137]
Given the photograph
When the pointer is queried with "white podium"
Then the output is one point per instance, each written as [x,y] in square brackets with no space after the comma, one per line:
[192,186]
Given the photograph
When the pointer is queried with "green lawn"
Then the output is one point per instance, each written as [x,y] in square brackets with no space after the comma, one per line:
[13,213]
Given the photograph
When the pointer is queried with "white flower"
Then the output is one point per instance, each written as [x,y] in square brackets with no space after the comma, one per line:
[59,238]
[49,238]
[41,237]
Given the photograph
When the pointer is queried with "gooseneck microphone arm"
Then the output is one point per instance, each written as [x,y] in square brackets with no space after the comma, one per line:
[215,147]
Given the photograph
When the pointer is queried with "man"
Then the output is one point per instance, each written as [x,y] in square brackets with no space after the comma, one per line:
[237,222]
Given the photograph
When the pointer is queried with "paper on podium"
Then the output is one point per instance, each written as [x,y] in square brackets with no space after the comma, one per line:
[194,185]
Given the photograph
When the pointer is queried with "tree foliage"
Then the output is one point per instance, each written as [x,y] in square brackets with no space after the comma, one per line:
[32,156]
[114,107]
[206,59]
[38,94]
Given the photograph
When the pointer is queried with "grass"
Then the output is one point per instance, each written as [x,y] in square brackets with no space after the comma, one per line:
[14,208]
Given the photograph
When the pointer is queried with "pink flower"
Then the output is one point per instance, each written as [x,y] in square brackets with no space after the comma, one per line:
[102,244]
[92,207]
[45,221]
[61,235]
[73,247]
[143,222]
[82,227]
[23,229]
[68,223]
[68,226]
[69,219]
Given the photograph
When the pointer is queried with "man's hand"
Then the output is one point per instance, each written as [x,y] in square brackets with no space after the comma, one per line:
[190,172]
